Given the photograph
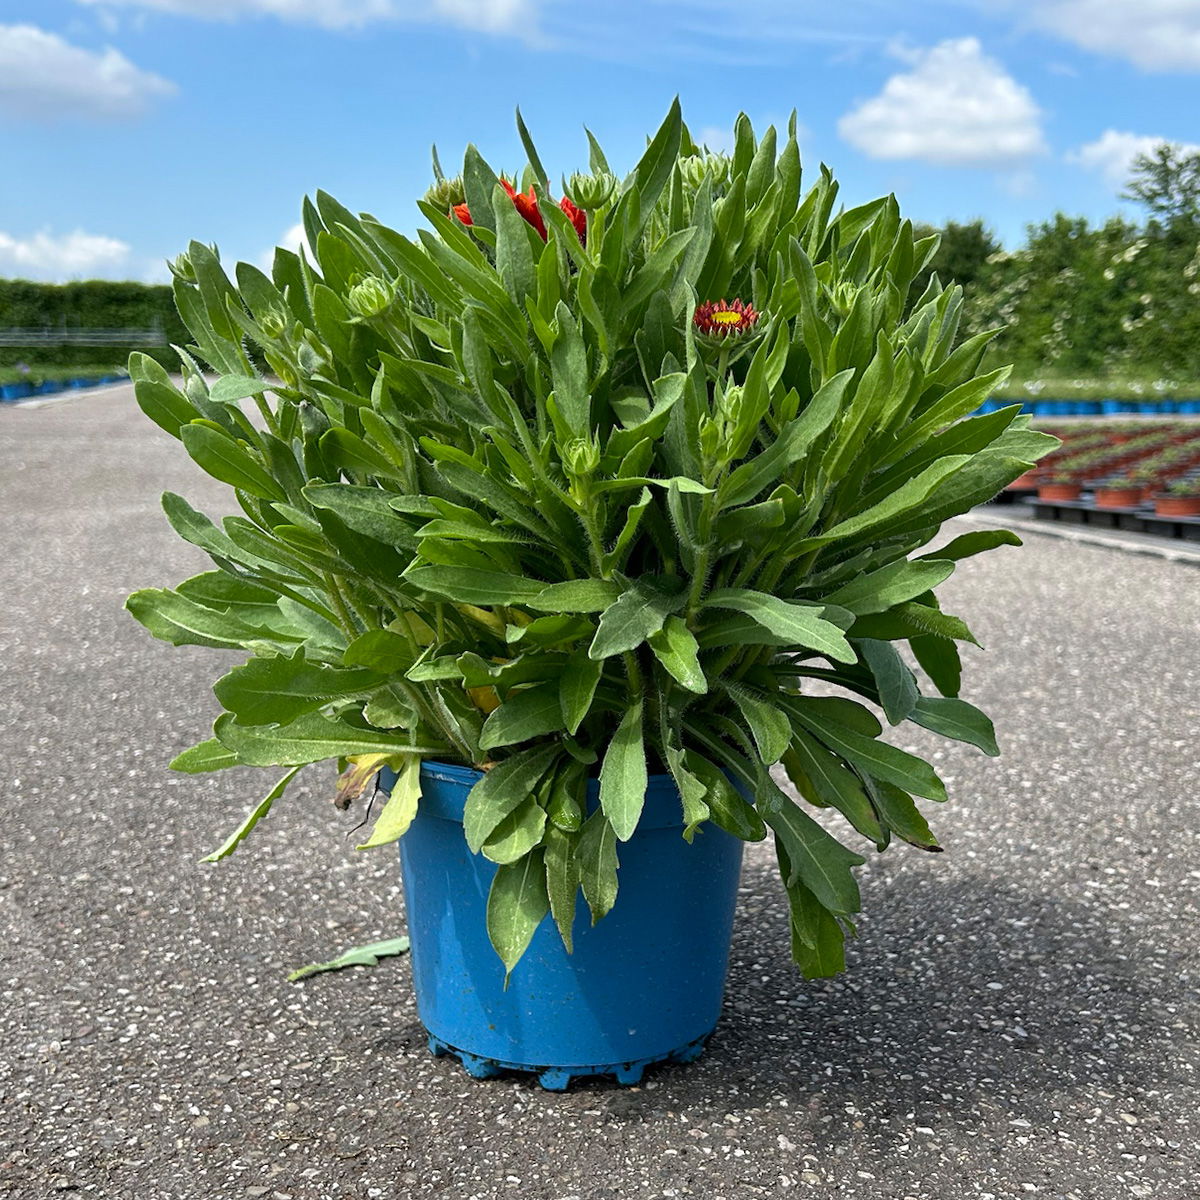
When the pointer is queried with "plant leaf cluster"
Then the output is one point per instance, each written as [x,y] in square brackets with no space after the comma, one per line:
[500,505]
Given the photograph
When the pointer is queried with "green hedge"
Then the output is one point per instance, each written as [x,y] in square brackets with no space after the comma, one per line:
[95,304]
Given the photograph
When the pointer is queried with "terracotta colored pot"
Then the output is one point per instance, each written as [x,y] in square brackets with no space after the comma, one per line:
[1059,491]
[1118,497]
[1177,506]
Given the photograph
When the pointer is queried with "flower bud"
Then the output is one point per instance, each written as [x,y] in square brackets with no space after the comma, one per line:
[590,192]
[274,322]
[581,456]
[371,297]
[695,167]
[446,193]
[181,267]
[711,437]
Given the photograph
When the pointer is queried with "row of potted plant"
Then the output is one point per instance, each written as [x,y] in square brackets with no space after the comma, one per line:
[19,383]
[1178,498]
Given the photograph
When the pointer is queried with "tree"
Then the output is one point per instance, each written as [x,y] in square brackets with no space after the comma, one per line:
[1167,181]
[961,254]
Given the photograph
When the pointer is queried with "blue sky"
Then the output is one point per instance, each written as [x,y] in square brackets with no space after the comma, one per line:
[129,126]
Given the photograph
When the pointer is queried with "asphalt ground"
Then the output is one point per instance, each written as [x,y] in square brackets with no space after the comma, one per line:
[1019,1017]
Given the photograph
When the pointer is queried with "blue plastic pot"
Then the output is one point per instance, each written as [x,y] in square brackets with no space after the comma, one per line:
[1189,406]
[644,985]
[1045,408]
[1112,407]
[10,392]
[1089,408]
[49,387]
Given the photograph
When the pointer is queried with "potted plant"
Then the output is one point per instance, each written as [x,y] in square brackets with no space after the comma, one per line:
[1181,498]
[1119,491]
[558,513]
[1059,485]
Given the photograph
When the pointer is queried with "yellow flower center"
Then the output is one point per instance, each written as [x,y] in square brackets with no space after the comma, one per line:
[726,317]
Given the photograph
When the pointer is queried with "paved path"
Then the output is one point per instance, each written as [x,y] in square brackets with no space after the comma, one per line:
[1020,1016]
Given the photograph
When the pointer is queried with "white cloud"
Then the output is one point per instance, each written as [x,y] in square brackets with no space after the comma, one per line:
[1157,35]
[1113,152]
[50,256]
[955,107]
[485,16]
[290,239]
[41,75]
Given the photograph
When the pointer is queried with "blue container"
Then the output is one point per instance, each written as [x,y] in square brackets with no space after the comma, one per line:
[1112,407]
[1147,406]
[10,392]
[1189,406]
[1089,408]
[644,985]
[49,387]
[1045,408]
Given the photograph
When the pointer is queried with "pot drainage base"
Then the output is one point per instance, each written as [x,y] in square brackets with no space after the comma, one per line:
[558,1079]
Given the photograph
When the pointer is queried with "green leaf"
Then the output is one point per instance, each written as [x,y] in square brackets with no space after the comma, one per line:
[868,753]
[277,690]
[366,510]
[173,618]
[229,389]
[975,542]
[517,834]
[517,904]
[383,651]
[401,806]
[596,855]
[801,625]
[818,943]
[576,688]
[823,778]
[252,818]
[562,882]
[818,860]
[623,775]
[769,727]
[897,582]
[729,809]
[469,585]
[954,718]
[639,612]
[502,790]
[675,646]
[310,738]
[209,755]
[898,692]
[569,371]
[897,810]
[360,956]
[575,596]
[523,715]
[514,254]
[939,660]
[229,461]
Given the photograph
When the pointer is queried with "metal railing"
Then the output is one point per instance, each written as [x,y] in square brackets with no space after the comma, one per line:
[48,335]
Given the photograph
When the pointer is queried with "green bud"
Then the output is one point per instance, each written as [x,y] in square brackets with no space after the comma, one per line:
[590,192]
[274,322]
[581,456]
[446,193]
[715,166]
[181,267]
[371,297]
[711,437]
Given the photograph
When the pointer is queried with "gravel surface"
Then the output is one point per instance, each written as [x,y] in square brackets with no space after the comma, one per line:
[1019,1017]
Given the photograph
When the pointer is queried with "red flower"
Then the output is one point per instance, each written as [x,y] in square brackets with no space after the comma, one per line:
[719,319]
[526,204]
[577,217]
